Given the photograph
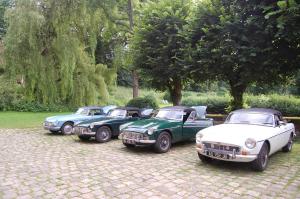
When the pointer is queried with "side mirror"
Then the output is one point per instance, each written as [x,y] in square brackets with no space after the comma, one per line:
[282,123]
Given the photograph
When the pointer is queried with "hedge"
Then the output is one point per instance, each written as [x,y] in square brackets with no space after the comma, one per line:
[143,102]
[288,105]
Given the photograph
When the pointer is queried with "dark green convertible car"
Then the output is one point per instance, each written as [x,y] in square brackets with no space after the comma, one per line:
[169,125]
[103,129]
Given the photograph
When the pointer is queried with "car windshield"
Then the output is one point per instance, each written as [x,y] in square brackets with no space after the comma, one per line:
[117,113]
[250,118]
[82,111]
[170,114]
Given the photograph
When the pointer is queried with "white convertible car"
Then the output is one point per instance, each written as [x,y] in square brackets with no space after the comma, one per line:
[248,135]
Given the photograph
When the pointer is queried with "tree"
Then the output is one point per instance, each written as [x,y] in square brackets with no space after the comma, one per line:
[4,4]
[51,45]
[234,42]
[159,45]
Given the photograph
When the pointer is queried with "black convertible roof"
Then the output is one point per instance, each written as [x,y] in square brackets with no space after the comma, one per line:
[259,110]
[184,108]
[129,108]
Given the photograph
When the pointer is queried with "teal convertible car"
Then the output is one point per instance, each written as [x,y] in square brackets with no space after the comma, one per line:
[65,123]
[169,125]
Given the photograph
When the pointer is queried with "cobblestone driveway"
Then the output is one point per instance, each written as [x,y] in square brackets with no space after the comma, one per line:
[35,164]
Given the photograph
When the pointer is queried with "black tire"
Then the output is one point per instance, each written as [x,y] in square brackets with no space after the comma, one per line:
[288,147]
[103,134]
[67,128]
[163,142]
[262,159]
[84,138]
[204,158]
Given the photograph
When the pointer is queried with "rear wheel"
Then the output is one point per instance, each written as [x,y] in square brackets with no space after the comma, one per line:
[163,143]
[103,134]
[288,147]
[261,162]
[67,128]
[204,158]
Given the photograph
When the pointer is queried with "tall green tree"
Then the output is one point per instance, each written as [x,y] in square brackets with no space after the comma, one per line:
[234,42]
[159,43]
[51,44]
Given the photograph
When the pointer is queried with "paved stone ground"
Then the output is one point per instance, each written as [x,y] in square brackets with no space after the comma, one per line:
[35,164]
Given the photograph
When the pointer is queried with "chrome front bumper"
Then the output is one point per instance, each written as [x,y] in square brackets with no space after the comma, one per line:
[47,126]
[83,131]
[135,141]
[226,156]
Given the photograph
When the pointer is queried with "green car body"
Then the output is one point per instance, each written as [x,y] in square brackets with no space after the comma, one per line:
[103,129]
[180,124]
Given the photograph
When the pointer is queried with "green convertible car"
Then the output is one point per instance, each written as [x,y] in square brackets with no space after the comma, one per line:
[169,125]
[103,129]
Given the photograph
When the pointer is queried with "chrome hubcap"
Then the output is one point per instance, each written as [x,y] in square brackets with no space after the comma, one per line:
[164,143]
[68,129]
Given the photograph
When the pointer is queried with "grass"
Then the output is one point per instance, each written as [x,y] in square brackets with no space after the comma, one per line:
[23,119]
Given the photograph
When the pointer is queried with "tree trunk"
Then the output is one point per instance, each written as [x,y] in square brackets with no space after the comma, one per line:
[175,92]
[135,77]
[237,91]
[135,84]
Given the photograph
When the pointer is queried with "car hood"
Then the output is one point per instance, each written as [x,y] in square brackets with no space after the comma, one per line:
[96,121]
[142,126]
[71,117]
[236,133]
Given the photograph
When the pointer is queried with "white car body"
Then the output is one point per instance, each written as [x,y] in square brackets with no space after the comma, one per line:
[212,141]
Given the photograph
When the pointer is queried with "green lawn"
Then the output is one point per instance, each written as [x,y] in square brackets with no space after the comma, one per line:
[23,119]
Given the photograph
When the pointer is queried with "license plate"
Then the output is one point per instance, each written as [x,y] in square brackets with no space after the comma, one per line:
[218,155]
[127,141]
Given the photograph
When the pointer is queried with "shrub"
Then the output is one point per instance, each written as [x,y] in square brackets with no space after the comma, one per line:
[144,102]
[288,105]
[215,104]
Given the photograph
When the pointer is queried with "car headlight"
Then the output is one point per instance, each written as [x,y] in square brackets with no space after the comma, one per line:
[151,131]
[199,136]
[250,143]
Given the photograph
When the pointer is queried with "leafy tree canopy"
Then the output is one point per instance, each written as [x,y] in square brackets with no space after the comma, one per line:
[50,46]
[159,43]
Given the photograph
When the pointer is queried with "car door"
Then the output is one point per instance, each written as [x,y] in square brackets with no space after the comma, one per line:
[192,125]
[280,138]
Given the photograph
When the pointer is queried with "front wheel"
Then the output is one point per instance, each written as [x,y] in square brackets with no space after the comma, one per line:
[103,134]
[204,158]
[67,128]
[288,147]
[163,143]
[261,162]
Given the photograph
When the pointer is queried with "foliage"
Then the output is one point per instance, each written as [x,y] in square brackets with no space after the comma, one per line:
[143,102]
[50,45]
[288,105]
[4,4]
[158,45]
[235,43]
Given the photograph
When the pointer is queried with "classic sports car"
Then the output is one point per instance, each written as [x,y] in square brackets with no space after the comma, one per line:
[169,125]
[248,135]
[103,129]
[65,123]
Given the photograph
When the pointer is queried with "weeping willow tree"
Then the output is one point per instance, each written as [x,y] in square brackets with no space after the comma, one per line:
[51,45]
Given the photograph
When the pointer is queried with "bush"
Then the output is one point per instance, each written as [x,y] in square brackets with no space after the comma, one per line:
[144,102]
[288,105]
[215,104]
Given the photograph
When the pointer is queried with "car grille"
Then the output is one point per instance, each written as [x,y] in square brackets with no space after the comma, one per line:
[48,123]
[133,135]
[221,147]
[79,130]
